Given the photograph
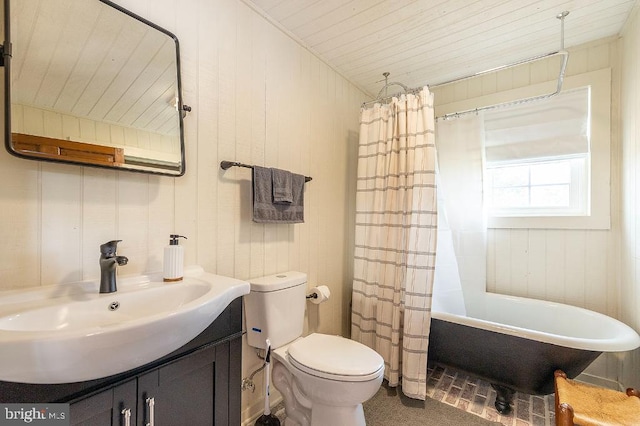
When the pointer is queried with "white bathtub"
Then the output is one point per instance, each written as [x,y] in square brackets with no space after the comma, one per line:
[548,322]
[517,343]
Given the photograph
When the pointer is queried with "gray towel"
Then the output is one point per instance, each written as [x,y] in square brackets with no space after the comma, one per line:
[264,210]
[282,186]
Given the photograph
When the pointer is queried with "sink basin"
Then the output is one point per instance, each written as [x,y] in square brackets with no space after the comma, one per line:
[71,333]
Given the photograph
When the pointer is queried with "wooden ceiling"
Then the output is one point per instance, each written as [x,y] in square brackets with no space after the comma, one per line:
[62,49]
[423,42]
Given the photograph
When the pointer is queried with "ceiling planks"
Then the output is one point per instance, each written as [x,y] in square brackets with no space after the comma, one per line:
[429,41]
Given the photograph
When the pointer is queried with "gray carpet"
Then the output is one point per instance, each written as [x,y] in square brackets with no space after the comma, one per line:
[389,407]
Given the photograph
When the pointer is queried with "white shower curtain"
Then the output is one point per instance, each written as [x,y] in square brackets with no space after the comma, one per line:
[460,143]
[396,218]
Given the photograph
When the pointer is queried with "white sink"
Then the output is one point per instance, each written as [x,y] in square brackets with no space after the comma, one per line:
[70,332]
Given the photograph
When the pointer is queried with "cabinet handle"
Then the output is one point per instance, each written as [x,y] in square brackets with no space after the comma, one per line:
[151,402]
[126,413]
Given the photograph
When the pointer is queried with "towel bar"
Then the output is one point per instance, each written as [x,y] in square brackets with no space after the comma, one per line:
[224,165]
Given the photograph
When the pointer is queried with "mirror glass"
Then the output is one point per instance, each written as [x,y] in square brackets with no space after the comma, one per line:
[89,82]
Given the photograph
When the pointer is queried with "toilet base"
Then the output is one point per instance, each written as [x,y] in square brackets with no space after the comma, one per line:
[323,416]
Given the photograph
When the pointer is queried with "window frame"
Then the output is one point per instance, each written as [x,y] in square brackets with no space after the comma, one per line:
[599,202]
[599,188]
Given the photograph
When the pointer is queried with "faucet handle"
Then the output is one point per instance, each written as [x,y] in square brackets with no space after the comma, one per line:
[109,249]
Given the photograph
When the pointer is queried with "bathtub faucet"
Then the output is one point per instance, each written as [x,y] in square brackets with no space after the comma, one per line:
[109,261]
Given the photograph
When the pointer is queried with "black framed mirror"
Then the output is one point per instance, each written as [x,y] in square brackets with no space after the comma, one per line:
[88,82]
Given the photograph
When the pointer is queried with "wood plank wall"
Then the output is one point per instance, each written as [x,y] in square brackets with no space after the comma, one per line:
[40,122]
[578,267]
[258,97]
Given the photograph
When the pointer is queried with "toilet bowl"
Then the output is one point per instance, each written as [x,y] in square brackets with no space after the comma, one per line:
[325,379]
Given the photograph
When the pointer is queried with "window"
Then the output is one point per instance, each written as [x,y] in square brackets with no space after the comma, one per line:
[555,187]
[537,157]
[597,180]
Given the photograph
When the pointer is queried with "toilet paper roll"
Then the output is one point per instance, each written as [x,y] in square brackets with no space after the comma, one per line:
[319,294]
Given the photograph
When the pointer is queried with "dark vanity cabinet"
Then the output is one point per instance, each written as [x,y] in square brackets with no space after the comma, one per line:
[108,407]
[192,390]
[197,385]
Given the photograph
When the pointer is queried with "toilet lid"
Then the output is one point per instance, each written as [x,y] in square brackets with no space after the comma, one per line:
[336,358]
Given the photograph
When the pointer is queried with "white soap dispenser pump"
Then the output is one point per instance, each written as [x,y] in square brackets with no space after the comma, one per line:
[173,259]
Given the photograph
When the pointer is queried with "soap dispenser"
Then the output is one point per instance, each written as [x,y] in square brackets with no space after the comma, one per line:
[173,259]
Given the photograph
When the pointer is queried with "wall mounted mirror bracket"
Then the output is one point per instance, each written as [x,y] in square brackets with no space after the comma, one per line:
[88,82]
[4,52]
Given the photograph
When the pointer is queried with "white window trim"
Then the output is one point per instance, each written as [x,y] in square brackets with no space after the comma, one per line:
[599,191]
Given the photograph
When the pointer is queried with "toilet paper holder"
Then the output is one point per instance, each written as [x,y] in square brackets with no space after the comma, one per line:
[318,294]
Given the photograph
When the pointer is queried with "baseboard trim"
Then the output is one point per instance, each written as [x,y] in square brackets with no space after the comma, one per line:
[602,382]
[255,410]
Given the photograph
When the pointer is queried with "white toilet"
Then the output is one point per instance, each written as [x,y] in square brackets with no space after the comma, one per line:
[323,379]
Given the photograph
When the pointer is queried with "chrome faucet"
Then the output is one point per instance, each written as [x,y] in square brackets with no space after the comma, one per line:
[108,263]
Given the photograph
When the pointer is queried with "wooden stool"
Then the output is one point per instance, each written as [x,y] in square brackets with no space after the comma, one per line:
[588,405]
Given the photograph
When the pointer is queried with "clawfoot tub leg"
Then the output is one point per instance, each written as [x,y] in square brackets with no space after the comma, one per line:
[504,398]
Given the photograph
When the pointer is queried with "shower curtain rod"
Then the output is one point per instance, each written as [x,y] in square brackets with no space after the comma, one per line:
[560,80]
[565,58]
[563,68]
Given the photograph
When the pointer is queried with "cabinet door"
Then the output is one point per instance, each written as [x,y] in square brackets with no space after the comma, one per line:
[106,408]
[228,375]
[125,397]
[179,393]
[92,411]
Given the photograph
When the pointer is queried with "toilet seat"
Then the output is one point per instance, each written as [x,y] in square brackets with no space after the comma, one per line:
[335,358]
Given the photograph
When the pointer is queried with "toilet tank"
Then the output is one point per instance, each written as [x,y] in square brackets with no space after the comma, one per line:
[274,309]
